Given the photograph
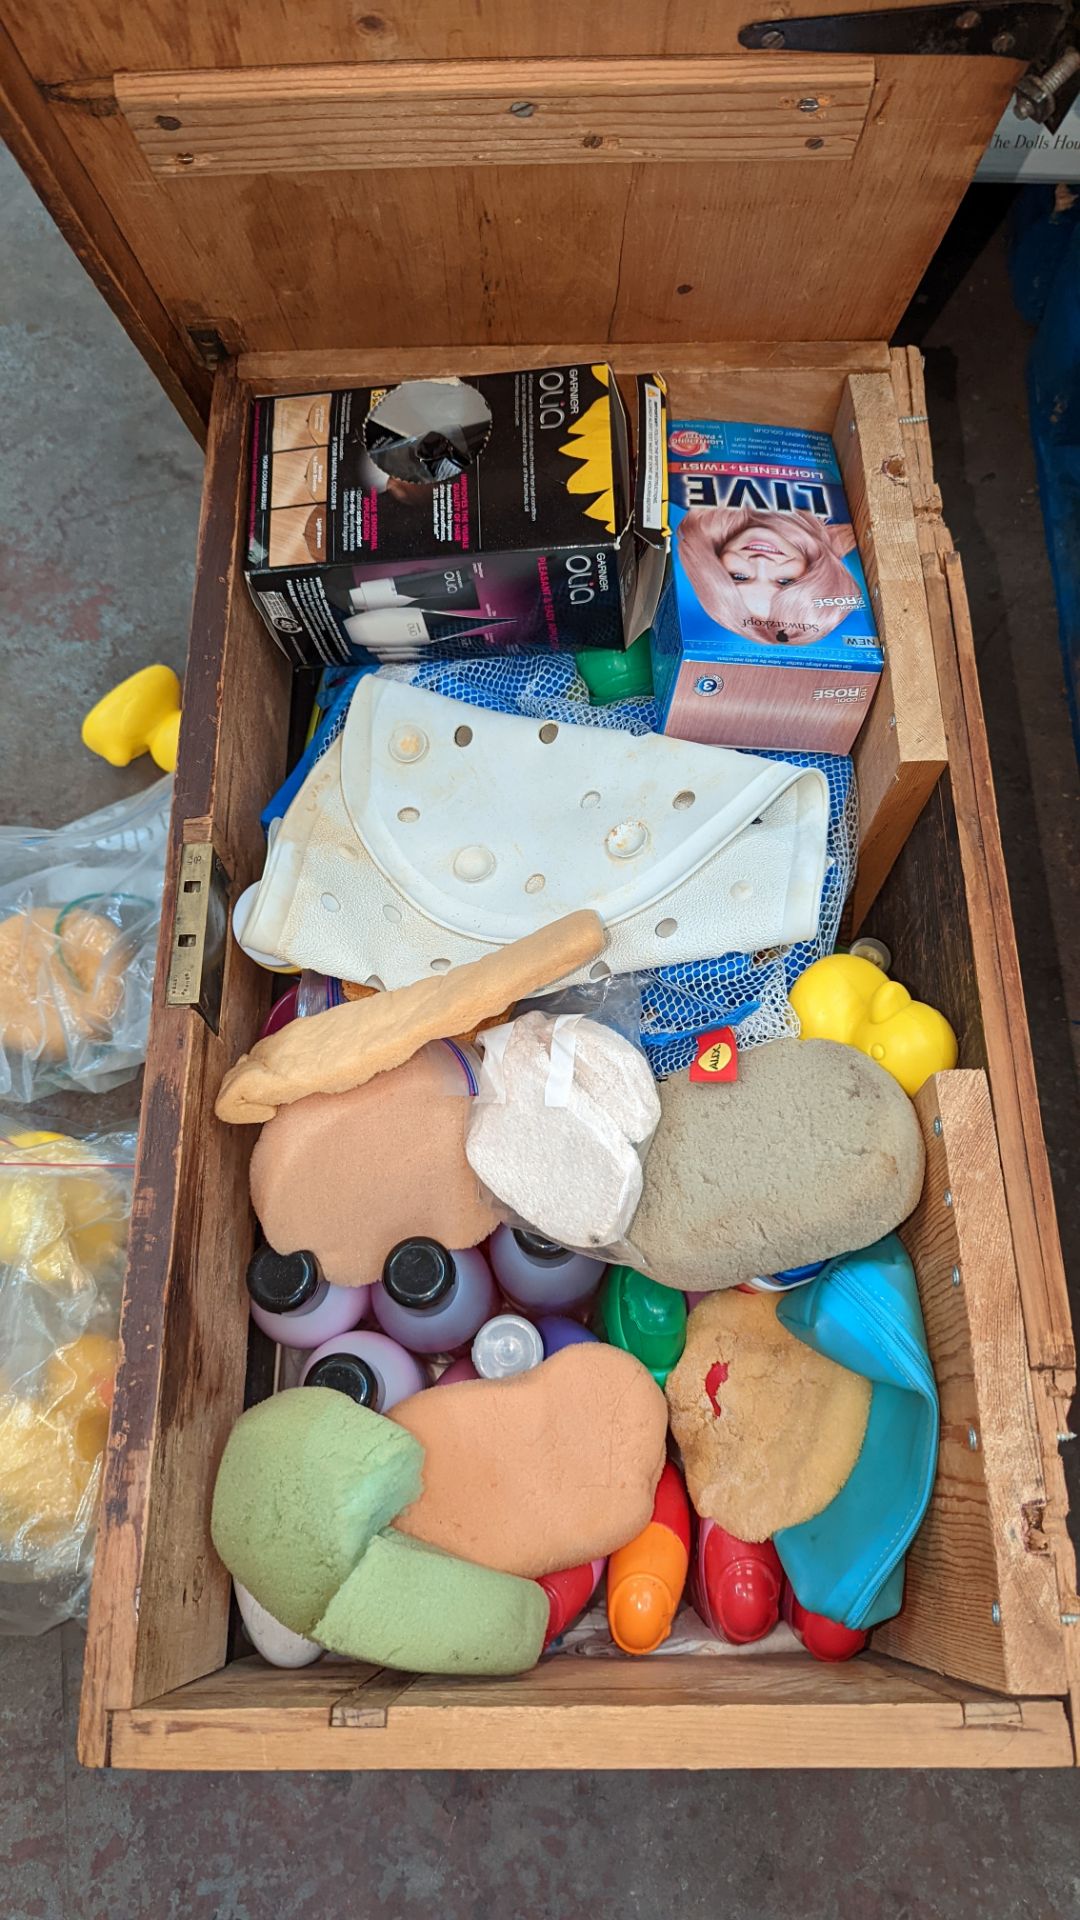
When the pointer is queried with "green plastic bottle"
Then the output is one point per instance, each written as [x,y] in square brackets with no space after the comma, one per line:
[643,1317]
[616,673]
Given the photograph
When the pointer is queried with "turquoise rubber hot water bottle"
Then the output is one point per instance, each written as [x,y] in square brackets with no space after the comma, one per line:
[863,1312]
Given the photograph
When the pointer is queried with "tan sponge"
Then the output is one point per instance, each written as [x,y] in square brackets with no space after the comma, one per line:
[348,1175]
[769,1429]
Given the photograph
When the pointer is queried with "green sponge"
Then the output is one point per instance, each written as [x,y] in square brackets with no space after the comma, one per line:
[408,1605]
[306,1480]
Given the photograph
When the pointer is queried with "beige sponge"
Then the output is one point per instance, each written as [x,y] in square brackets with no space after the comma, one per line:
[342,1048]
[348,1175]
[813,1151]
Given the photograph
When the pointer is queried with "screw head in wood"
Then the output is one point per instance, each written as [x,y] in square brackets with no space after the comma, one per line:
[815,145]
[956,1276]
[948,1197]
[995,1614]
[523,109]
[937,1125]
[973,1440]
[809,105]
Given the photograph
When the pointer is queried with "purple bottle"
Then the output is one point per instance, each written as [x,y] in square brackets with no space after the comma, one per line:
[373,1370]
[539,1276]
[431,1300]
[292,1302]
[557,1331]
[457,1371]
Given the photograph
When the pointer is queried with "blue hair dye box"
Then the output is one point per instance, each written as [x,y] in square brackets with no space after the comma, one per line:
[764,635]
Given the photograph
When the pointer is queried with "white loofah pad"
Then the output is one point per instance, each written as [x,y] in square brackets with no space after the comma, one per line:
[433,831]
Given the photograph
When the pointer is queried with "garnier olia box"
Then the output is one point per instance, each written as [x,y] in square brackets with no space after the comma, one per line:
[487,515]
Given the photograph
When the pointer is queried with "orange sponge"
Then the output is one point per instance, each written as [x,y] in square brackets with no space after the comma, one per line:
[542,1471]
[348,1175]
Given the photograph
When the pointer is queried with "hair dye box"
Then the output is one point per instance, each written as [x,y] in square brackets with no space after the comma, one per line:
[763,636]
[444,517]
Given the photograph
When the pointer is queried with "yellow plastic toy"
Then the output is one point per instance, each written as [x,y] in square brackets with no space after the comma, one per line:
[66,1229]
[141,715]
[845,998]
[51,1442]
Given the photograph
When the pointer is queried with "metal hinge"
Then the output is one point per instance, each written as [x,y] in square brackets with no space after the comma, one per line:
[200,931]
[209,346]
[1032,30]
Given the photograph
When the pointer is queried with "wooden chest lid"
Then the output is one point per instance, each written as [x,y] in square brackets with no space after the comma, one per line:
[469,172]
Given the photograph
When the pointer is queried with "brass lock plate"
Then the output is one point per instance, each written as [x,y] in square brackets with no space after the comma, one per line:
[200,931]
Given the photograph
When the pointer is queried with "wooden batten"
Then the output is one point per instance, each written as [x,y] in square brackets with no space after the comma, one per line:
[981,1593]
[496,113]
[739,1710]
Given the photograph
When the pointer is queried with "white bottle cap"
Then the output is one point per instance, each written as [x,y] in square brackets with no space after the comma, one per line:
[506,1345]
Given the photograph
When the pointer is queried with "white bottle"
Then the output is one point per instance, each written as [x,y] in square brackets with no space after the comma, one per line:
[505,1346]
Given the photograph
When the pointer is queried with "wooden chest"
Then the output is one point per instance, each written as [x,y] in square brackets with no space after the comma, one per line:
[471,186]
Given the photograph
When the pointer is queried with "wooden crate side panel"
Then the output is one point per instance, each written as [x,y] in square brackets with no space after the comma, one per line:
[1028,1188]
[781,383]
[981,1598]
[946,914]
[620,249]
[159,1607]
[735,1711]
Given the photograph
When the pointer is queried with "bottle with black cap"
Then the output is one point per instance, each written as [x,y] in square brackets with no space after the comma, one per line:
[540,1277]
[432,1300]
[292,1302]
[372,1369]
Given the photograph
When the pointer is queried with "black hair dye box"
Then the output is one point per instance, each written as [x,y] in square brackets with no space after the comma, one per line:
[440,518]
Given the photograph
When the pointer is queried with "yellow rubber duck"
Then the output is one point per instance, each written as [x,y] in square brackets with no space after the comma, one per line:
[849,999]
[51,1442]
[141,715]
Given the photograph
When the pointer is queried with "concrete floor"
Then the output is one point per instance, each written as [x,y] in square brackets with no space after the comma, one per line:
[101,486]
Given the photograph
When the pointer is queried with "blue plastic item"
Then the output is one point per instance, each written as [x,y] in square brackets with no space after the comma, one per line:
[863,1312]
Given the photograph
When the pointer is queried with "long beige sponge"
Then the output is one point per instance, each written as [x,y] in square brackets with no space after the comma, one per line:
[346,1046]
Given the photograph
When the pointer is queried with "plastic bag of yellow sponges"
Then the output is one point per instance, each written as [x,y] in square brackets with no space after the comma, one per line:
[64,1210]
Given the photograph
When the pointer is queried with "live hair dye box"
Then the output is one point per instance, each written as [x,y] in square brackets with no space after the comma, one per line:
[442,518]
[764,635]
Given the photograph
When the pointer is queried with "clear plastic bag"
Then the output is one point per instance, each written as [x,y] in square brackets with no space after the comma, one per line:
[64,1211]
[80,907]
[565,1111]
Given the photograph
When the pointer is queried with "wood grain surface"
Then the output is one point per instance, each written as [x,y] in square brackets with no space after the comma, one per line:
[740,1711]
[757,247]
[448,113]
[900,752]
[159,1608]
[981,1595]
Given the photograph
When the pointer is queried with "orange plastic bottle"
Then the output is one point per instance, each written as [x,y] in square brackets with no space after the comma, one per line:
[646,1578]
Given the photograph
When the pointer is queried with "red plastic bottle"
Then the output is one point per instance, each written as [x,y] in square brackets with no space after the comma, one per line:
[737,1584]
[825,1639]
[569,1593]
